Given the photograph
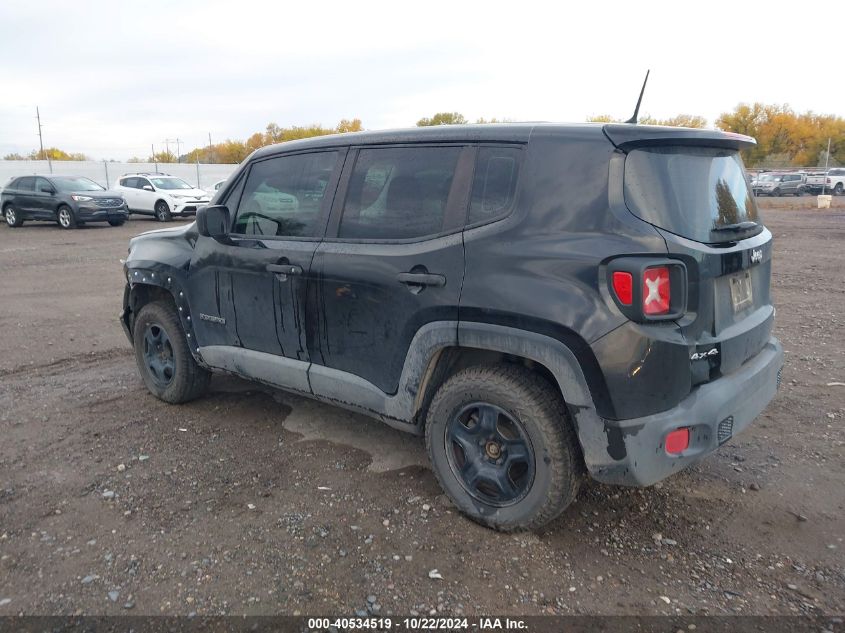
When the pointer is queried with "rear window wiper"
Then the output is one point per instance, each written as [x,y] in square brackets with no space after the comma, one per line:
[739,227]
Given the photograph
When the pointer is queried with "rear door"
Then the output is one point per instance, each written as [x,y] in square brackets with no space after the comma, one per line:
[699,200]
[250,291]
[393,258]
[128,191]
[25,196]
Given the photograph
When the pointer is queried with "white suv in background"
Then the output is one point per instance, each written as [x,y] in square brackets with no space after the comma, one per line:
[161,195]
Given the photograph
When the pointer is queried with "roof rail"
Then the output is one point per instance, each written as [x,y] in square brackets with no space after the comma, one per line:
[145,173]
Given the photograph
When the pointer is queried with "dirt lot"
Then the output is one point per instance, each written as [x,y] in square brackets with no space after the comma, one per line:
[257,502]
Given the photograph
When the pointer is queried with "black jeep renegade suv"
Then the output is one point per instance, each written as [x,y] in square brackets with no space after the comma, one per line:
[539,301]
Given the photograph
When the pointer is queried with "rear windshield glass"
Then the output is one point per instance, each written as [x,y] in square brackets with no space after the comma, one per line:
[689,191]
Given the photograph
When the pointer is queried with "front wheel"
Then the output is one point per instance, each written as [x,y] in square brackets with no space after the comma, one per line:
[117,222]
[162,211]
[837,190]
[13,218]
[503,448]
[65,218]
[775,193]
[166,365]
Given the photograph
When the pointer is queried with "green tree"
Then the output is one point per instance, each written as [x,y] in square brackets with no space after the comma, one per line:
[442,118]
[679,120]
[14,156]
[784,137]
[54,153]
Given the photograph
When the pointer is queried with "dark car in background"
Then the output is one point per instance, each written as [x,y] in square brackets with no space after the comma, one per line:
[67,200]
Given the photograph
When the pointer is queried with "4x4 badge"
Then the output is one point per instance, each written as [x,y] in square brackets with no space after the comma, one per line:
[700,355]
[757,256]
[213,319]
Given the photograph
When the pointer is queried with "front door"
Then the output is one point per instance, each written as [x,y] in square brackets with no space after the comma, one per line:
[42,200]
[393,258]
[250,292]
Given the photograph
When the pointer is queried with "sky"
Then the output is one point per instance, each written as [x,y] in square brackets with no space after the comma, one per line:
[113,78]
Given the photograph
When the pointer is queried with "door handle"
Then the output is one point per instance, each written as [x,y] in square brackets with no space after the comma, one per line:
[284,269]
[421,279]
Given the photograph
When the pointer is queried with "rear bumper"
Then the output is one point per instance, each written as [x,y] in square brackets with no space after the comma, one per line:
[714,412]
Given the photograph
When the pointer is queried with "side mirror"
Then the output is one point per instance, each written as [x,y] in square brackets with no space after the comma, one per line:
[148,188]
[213,221]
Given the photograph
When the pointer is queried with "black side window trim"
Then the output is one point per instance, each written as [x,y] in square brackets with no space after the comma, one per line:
[455,217]
[325,207]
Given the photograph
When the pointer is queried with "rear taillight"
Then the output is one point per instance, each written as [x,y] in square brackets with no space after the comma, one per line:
[827,180]
[677,441]
[623,286]
[648,289]
[657,292]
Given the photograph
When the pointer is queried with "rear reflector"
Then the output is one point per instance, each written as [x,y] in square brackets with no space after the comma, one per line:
[623,286]
[656,295]
[677,441]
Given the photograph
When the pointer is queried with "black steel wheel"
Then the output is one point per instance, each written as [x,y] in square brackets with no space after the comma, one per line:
[490,454]
[162,211]
[158,354]
[164,361]
[502,447]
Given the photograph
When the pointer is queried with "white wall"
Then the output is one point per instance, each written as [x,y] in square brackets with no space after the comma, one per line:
[107,173]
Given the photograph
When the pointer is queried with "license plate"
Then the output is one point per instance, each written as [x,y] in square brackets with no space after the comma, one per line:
[741,296]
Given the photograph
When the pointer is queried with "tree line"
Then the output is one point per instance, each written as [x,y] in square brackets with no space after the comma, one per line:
[784,138]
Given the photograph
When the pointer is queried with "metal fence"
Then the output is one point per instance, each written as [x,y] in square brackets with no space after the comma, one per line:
[106,173]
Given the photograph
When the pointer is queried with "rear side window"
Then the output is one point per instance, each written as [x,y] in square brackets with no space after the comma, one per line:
[26,183]
[398,192]
[689,191]
[283,196]
[494,186]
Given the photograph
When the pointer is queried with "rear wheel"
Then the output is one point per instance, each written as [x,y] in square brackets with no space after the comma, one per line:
[117,222]
[775,193]
[162,211]
[502,447]
[13,218]
[800,191]
[65,218]
[837,190]
[166,365]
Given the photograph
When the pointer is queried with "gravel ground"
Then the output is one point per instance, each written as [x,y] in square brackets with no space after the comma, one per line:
[251,501]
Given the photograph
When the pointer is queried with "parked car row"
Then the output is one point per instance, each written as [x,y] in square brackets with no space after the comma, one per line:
[71,201]
[799,183]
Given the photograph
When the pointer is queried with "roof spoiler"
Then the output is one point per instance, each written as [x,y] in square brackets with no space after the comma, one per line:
[627,137]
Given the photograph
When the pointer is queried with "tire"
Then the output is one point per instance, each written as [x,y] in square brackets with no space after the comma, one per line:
[532,430]
[837,190]
[799,192]
[65,218]
[775,193]
[164,361]
[117,222]
[13,218]
[162,211]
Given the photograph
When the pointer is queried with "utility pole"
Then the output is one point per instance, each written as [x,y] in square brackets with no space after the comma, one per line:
[178,142]
[155,162]
[210,149]
[41,140]
[826,162]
